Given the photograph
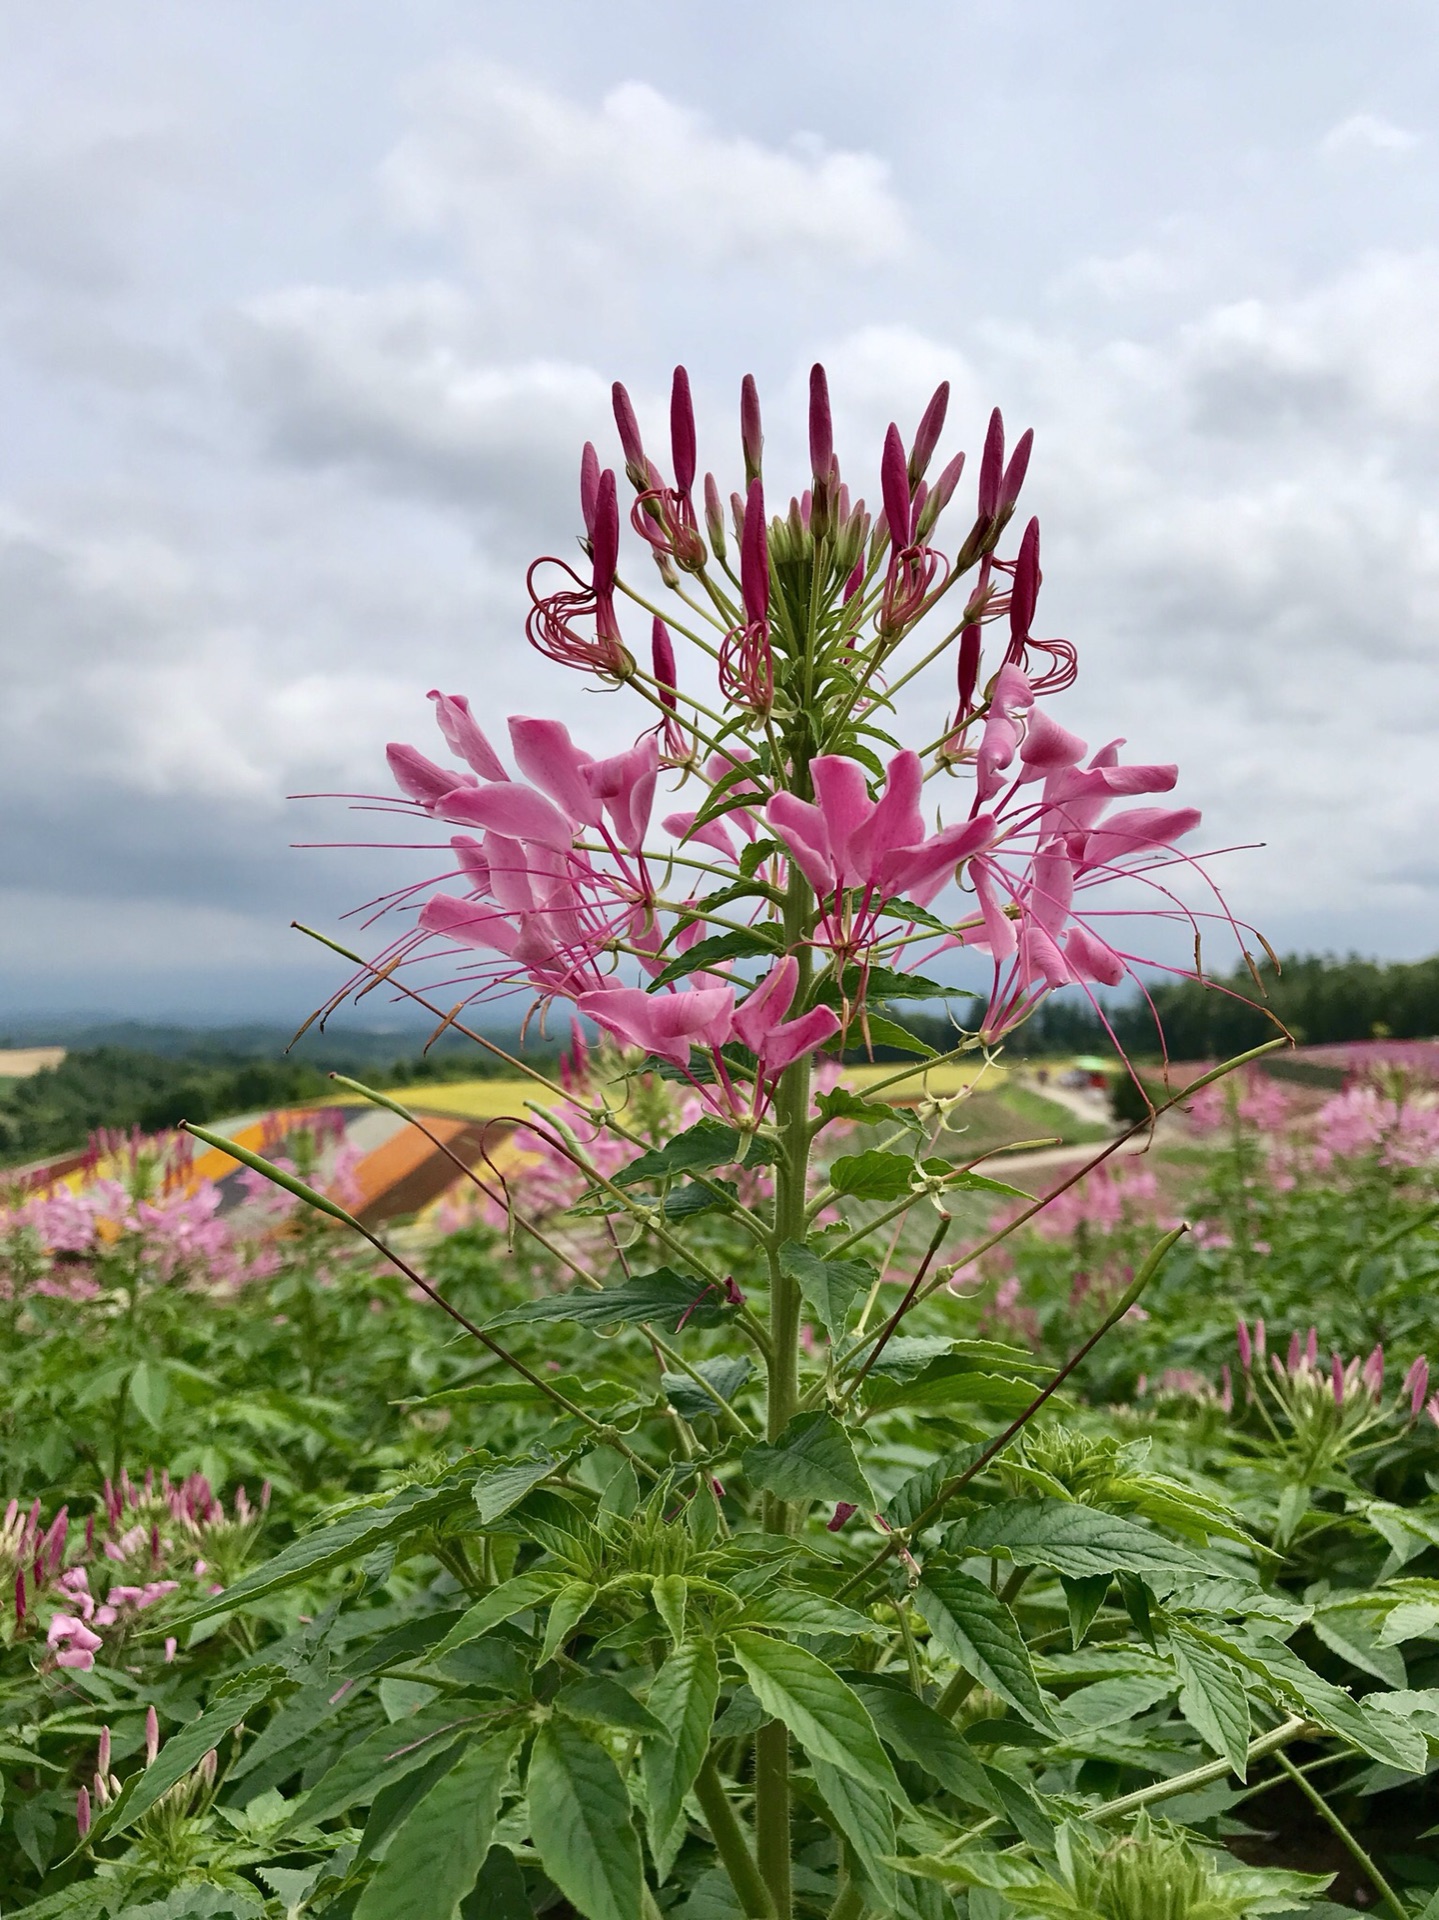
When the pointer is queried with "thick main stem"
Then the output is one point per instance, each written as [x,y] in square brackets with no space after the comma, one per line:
[730,1842]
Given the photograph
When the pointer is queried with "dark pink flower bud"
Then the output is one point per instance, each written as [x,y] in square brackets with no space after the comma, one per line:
[926,437]
[20,1597]
[750,432]
[1336,1378]
[1373,1372]
[821,424]
[894,479]
[589,486]
[717,1489]
[1296,1352]
[714,516]
[1246,1349]
[969,650]
[605,534]
[1311,1347]
[152,1735]
[663,655]
[1024,595]
[844,1511]
[682,431]
[1416,1385]
[1261,1339]
[732,1293]
[991,467]
[1014,473]
[102,1756]
[855,581]
[82,1812]
[629,428]
[754,555]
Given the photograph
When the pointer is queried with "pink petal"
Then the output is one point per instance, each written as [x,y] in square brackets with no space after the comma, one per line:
[895,821]
[1091,959]
[1137,831]
[802,828]
[767,1005]
[1047,746]
[843,799]
[463,738]
[418,778]
[515,811]
[711,834]
[470,922]
[786,1043]
[918,873]
[550,760]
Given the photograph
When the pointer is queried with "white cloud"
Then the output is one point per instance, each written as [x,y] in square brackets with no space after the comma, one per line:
[549,186]
[398,381]
[1368,133]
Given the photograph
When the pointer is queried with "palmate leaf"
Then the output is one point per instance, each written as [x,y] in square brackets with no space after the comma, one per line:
[978,1631]
[813,1459]
[434,1858]
[827,1717]
[580,1823]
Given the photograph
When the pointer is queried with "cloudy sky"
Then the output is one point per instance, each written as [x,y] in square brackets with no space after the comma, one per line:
[306,308]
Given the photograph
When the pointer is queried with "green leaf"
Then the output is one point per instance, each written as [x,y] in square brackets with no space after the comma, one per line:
[813,1459]
[1353,1631]
[692,1199]
[966,1180]
[501,1488]
[1212,1696]
[753,857]
[920,1734]
[726,1375]
[709,1143]
[499,1604]
[952,1381]
[665,1297]
[385,1755]
[787,1610]
[185,1749]
[882,983]
[358,1534]
[862,1816]
[580,1823]
[1073,1539]
[435,1857]
[827,1717]
[1083,1598]
[571,1604]
[598,1697]
[150,1392]
[828,1286]
[917,1494]
[671,1597]
[842,1103]
[739,945]
[682,1698]
[888,1033]
[499,1893]
[978,1631]
[872,1175]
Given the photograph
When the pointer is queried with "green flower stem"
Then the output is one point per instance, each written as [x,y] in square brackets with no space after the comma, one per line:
[951,1487]
[1270,1742]
[771,1814]
[1331,1819]
[731,1843]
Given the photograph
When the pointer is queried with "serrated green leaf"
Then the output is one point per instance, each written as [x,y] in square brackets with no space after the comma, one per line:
[569,1607]
[580,1823]
[790,1611]
[951,1381]
[352,1538]
[150,1392]
[1212,1696]
[682,1698]
[1074,1539]
[864,1817]
[920,1734]
[704,954]
[842,1103]
[829,1287]
[917,1494]
[384,1755]
[598,1697]
[435,1856]
[664,1297]
[872,1175]
[671,1597]
[501,1488]
[500,1604]
[692,1199]
[726,1374]
[878,1031]
[827,1717]
[1353,1631]
[709,1143]
[978,1631]
[813,1459]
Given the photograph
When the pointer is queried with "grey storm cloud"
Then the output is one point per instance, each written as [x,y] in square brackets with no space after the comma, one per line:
[298,353]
